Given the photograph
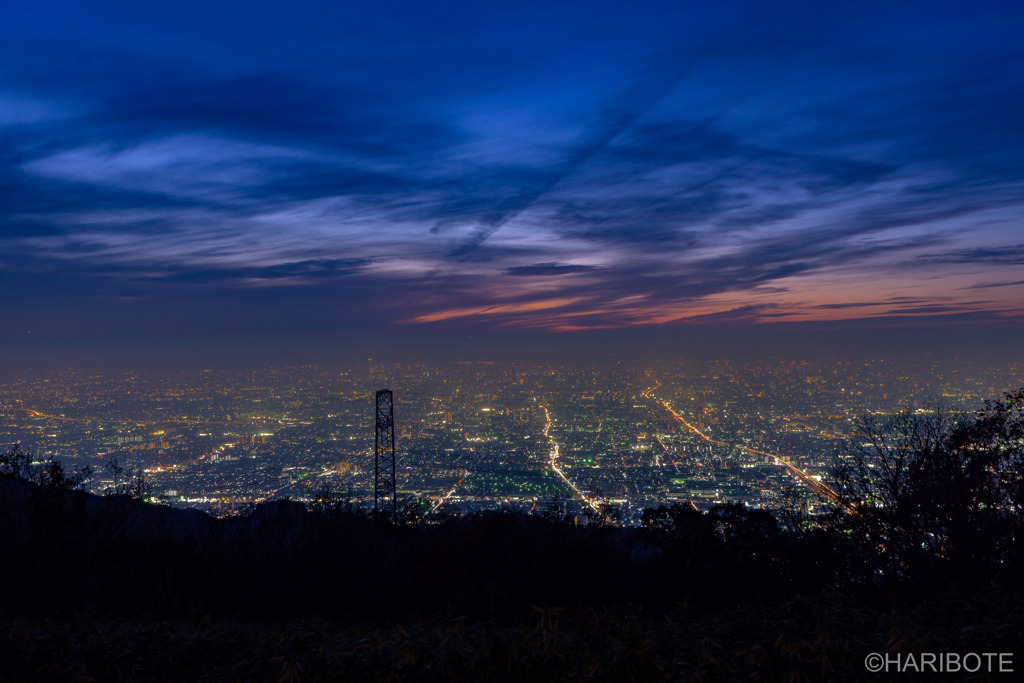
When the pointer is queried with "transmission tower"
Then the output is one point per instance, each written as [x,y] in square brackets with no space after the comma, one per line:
[384,493]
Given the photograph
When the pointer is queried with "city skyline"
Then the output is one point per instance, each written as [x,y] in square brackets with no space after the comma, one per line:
[244,183]
[474,436]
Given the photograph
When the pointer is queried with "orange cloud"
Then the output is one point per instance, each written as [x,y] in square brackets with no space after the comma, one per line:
[543,304]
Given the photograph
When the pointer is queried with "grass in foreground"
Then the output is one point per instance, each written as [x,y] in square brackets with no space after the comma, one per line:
[800,640]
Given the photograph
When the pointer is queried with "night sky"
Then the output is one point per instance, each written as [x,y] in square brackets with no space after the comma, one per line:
[289,178]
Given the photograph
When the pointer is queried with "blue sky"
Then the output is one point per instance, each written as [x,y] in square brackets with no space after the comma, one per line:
[218,172]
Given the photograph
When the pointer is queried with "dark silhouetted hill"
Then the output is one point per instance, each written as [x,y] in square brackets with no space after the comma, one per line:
[923,551]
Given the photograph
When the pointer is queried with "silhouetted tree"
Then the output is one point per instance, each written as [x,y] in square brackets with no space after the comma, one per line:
[127,480]
[930,494]
[50,473]
[555,507]
[412,510]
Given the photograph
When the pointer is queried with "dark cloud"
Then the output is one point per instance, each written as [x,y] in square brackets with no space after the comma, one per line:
[994,256]
[727,185]
[551,268]
[308,271]
[992,285]
[858,304]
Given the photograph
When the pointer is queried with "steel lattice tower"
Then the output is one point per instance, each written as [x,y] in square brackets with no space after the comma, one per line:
[384,458]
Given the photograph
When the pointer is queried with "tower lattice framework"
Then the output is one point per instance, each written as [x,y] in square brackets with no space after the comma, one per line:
[385,495]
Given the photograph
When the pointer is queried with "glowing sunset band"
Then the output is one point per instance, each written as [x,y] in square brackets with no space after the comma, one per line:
[497,309]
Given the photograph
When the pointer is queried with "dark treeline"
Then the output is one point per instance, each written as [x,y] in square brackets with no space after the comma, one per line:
[72,553]
[927,501]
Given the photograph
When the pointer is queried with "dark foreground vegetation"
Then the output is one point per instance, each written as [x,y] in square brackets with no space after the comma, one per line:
[923,552]
[799,639]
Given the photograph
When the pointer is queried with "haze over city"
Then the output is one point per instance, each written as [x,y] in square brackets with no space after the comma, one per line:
[249,184]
